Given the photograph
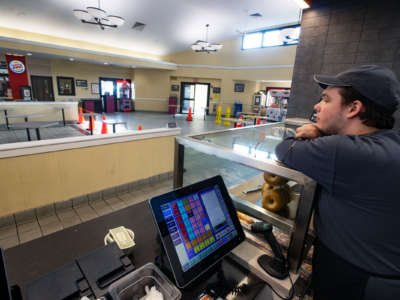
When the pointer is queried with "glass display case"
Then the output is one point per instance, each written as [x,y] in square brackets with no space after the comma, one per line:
[254,147]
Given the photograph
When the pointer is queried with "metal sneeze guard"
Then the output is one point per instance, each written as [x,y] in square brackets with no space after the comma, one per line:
[254,147]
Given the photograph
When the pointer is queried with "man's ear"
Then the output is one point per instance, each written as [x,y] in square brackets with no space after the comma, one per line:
[354,108]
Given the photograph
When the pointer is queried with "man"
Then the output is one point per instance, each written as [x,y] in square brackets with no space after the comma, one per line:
[353,154]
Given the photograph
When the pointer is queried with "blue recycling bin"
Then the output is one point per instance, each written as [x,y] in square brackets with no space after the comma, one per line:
[238,108]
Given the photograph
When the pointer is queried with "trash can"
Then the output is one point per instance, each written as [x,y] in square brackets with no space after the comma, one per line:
[238,108]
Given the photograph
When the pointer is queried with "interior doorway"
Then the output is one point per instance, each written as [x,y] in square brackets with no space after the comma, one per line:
[42,88]
[112,87]
[196,96]
[108,87]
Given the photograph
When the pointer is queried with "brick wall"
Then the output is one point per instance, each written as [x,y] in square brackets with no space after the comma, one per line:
[337,35]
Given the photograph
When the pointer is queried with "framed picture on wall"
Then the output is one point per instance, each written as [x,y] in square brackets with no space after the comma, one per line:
[174,87]
[216,90]
[95,88]
[239,87]
[81,82]
[66,86]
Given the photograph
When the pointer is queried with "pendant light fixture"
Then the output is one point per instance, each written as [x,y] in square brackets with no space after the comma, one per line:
[205,46]
[97,16]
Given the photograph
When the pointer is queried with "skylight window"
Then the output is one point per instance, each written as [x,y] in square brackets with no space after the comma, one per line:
[272,38]
[252,40]
[288,35]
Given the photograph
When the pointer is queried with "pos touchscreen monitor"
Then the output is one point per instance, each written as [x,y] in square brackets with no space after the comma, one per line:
[198,226]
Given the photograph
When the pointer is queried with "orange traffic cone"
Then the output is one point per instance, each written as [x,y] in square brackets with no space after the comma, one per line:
[80,117]
[189,117]
[258,121]
[104,129]
[140,127]
[240,124]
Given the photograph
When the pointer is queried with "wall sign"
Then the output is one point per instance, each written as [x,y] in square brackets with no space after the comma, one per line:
[216,90]
[81,82]
[17,73]
[95,88]
[239,87]
[17,66]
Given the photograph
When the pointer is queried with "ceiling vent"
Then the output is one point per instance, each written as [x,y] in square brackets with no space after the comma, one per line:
[139,26]
[255,15]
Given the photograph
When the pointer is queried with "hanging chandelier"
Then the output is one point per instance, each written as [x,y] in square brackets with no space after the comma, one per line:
[205,46]
[98,16]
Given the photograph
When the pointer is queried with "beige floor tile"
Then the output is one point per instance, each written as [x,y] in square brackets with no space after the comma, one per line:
[51,227]
[127,198]
[8,231]
[7,220]
[27,236]
[28,227]
[160,190]
[163,190]
[124,195]
[9,242]
[66,213]
[68,217]
[44,220]
[166,181]
[115,203]
[25,216]
[146,188]
[101,207]
[148,195]
[138,196]
[85,212]
[70,221]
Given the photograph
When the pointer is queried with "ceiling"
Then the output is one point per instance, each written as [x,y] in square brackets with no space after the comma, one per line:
[171,25]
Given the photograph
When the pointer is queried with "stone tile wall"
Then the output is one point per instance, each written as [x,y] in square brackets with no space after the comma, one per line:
[337,35]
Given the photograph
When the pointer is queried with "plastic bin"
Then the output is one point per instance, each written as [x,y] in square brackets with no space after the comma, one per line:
[132,286]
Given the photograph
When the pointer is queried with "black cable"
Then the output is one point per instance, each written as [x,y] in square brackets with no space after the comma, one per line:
[245,288]
[291,292]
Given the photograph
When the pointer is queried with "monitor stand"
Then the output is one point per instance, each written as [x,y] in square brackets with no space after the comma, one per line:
[16,292]
[162,261]
[222,286]
[216,286]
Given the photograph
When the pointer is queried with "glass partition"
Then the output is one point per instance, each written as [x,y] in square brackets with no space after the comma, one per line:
[253,148]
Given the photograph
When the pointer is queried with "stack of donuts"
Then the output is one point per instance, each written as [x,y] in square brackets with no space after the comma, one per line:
[275,192]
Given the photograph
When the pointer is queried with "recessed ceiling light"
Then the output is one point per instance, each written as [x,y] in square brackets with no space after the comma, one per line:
[71,59]
[303,4]
[29,54]
[106,63]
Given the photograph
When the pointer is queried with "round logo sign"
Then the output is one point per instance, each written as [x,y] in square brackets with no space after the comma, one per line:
[17,66]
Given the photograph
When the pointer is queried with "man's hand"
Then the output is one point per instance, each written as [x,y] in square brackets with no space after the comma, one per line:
[309,131]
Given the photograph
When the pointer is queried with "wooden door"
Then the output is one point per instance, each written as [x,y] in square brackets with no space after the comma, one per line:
[42,88]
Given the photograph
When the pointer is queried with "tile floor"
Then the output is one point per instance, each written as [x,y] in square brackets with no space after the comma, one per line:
[21,228]
[148,120]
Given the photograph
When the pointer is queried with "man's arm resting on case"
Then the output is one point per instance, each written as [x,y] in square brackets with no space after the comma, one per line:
[308,131]
[313,157]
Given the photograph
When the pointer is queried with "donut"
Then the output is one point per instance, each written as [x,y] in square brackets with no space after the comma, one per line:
[275,198]
[274,179]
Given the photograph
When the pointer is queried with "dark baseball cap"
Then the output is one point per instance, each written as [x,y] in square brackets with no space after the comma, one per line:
[378,84]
